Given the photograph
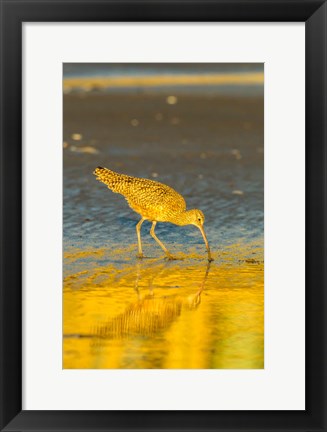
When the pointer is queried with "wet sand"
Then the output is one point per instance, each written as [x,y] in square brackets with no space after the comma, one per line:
[209,147]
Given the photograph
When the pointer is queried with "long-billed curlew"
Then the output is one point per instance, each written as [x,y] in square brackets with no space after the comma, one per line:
[155,202]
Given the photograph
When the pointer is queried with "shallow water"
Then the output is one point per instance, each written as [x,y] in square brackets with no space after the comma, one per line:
[158,314]
[136,69]
[120,312]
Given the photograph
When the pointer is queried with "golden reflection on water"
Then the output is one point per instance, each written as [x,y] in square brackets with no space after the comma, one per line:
[163,314]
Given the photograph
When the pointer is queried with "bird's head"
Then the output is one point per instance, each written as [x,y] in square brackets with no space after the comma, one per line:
[196,217]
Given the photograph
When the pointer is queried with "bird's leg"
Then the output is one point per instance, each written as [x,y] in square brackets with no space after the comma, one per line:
[169,255]
[138,233]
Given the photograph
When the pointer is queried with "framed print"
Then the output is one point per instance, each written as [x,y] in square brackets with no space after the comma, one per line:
[166,105]
[163,215]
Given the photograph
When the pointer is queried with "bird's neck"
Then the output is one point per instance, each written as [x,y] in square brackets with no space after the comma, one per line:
[183,218]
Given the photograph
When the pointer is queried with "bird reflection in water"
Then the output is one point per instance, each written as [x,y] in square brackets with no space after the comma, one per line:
[150,314]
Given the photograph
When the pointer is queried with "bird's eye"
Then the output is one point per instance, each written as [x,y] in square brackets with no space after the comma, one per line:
[199,219]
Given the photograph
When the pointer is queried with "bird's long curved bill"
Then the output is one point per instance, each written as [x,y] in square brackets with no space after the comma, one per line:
[206,243]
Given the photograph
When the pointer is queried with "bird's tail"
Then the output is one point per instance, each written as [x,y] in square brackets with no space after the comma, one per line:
[115,181]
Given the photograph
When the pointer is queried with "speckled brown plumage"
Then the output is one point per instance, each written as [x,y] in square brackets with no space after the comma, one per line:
[154,201]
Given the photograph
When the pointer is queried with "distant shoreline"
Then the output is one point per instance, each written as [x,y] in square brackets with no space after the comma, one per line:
[87,83]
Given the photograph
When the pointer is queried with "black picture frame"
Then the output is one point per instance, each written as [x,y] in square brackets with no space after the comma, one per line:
[13,14]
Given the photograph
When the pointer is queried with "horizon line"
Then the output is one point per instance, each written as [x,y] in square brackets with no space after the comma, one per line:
[254,78]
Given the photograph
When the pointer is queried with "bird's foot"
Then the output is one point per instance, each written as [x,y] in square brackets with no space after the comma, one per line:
[171,257]
[210,259]
[140,255]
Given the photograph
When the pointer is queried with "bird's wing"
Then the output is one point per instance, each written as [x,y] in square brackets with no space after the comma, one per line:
[172,200]
[156,196]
